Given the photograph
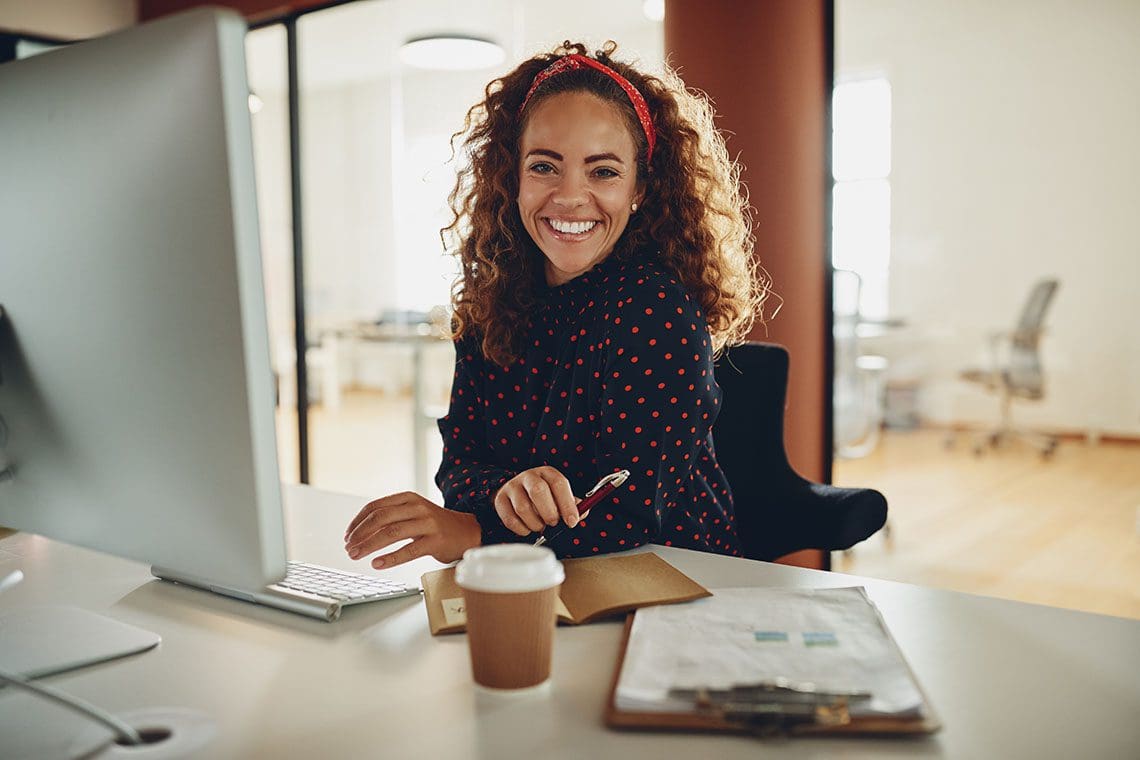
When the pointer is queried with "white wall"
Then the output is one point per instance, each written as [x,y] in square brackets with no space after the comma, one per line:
[67,19]
[1015,157]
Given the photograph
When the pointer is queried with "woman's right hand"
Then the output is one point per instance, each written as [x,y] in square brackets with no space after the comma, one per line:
[441,533]
[535,499]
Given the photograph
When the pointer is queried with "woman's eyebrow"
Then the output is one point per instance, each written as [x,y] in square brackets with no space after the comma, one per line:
[544,152]
[589,159]
[603,157]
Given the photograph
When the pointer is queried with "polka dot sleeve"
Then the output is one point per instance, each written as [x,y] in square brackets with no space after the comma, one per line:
[656,407]
[466,478]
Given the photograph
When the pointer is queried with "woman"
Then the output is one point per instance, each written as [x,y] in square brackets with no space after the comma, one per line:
[605,259]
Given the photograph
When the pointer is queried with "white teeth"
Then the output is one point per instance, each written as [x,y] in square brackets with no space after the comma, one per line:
[573,228]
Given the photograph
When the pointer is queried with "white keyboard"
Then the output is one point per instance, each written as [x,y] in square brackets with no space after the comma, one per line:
[306,589]
[339,585]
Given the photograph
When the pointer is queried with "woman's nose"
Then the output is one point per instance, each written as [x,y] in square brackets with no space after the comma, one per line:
[571,192]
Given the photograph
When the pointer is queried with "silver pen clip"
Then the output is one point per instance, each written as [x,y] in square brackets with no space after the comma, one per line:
[617,478]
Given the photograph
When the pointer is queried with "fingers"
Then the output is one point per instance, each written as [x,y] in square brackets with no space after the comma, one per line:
[379,518]
[542,498]
[383,512]
[554,500]
[390,533]
[442,533]
[372,506]
[416,549]
[535,499]
[506,512]
[567,502]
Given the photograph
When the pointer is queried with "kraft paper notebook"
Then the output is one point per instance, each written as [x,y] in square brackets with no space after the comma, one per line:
[595,587]
[767,660]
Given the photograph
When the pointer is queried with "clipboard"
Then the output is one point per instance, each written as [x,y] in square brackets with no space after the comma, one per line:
[696,721]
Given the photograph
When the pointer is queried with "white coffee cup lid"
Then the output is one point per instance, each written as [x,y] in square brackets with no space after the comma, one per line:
[509,568]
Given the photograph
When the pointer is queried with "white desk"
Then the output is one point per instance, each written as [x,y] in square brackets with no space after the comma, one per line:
[1009,680]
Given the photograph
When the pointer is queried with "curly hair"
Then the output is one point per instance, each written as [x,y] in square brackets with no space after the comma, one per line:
[694,216]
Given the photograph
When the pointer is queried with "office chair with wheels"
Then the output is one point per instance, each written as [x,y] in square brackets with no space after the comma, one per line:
[777,510]
[1014,371]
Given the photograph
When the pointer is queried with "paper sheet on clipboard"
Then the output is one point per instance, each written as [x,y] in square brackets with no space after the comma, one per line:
[834,638]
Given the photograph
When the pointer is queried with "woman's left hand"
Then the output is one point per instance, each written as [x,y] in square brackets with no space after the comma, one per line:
[435,531]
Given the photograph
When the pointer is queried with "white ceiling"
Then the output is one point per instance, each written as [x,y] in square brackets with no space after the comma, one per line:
[359,41]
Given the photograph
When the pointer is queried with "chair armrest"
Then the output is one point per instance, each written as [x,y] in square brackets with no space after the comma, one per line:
[997,336]
[806,515]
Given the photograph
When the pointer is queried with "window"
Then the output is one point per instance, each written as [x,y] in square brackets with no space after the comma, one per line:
[861,197]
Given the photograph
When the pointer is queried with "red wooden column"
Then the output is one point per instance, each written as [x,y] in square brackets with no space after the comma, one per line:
[253,10]
[766,64]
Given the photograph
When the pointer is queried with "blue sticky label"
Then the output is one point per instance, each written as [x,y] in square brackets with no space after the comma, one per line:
[820,639]
[770,635]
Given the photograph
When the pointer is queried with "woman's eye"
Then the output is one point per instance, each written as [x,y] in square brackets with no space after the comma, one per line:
[541,168]
[605,172]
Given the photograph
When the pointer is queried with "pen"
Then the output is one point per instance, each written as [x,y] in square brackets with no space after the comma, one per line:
[593,497]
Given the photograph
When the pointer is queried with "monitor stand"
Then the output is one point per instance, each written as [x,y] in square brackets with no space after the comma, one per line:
[42,641]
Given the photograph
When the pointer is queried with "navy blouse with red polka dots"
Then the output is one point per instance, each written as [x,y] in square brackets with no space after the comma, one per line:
[616,374]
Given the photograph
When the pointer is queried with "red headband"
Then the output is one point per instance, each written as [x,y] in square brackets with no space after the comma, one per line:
[575,61]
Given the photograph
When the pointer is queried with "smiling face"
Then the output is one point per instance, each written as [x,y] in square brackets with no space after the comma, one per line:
[577,180]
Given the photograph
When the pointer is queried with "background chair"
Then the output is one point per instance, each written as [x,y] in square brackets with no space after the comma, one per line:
[1014,370]
[859,377]
[777,510]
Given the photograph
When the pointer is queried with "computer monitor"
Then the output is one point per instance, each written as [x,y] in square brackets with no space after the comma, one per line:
[136,395]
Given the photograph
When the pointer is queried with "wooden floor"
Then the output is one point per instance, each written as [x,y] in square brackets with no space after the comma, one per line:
[1063,532]
[364,447]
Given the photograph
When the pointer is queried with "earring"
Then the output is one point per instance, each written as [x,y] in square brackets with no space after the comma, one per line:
[632,207]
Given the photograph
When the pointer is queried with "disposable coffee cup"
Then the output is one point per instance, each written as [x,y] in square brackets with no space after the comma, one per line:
[509,592]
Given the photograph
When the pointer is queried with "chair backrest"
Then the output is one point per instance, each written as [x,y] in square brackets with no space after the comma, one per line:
[1024,374]
[749,433]
[777,510]
[1033,314]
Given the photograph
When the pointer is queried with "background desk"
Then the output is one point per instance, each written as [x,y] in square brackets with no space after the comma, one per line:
[344,340]
[1008,679]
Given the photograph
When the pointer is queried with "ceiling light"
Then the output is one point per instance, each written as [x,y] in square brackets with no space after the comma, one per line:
[654,10]
[451,52]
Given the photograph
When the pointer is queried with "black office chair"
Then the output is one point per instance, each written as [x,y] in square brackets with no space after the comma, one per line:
[777,510]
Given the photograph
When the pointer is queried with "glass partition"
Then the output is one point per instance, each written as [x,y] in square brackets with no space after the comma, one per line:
[376,168]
